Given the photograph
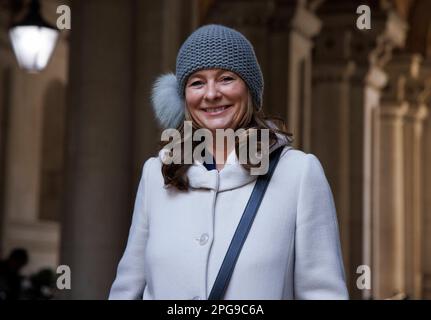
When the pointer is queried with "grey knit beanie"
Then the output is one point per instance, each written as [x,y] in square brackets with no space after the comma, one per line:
[210,46]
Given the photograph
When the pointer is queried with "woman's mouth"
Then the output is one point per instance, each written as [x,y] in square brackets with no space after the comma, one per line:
[216,110]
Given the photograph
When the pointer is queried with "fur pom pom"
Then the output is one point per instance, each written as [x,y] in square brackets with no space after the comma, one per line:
[168,106]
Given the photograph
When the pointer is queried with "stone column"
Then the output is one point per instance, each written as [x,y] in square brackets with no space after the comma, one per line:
[398,200]
[394,216]
[426,183]
[414,212]
[332,120]
[292,27]
[24,224]
[388,234]
[426,241]
[382,126]
[416,95]
[5,62]
[347,80]
[118,48]
[98,191]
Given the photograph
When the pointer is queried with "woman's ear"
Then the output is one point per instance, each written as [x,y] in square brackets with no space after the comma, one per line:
[168,106]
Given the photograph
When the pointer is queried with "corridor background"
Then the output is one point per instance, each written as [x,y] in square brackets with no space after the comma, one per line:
[74,137]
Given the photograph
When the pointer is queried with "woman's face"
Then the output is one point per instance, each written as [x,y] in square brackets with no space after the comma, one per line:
[216,98]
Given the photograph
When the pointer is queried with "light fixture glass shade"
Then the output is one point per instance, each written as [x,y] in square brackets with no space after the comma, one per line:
[33,46]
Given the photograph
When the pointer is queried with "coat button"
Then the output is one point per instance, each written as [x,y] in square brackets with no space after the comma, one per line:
[204,239]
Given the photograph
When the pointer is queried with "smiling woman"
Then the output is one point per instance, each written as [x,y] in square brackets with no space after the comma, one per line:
[187,215]
[216,99]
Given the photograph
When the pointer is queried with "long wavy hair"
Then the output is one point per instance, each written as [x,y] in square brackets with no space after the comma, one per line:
[174,174]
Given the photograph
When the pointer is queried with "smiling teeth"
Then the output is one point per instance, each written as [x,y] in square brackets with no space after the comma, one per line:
[215,109]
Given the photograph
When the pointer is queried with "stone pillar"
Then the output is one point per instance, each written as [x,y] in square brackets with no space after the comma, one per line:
[397,188]
[118,48]
[426,241]
[415,94]
[376,79]
[5,62]
[24,225]
[414,212]
[4,109]
[332,119]
[292,27]
[383,122]
[347,80]
[388,234]
[99,193]
[426,180]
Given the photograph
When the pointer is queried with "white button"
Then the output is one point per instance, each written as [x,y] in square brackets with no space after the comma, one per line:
[204,239]
[196,298]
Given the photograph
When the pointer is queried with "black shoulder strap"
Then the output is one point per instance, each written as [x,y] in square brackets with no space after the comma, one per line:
[241,232]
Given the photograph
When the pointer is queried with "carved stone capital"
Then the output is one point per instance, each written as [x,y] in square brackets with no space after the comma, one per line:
[340,38]
[407,82]
[393,112]
[376,78]
[296,15]
[417,113]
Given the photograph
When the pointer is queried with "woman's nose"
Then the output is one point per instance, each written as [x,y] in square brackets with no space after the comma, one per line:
[212,91]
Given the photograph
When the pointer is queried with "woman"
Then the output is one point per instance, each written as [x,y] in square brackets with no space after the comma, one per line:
[185,215]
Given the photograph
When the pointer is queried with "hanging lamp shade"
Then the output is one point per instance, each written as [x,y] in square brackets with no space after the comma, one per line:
[33,40]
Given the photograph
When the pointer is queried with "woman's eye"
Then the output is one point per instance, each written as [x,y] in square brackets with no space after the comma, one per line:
[227,79]
[195,83]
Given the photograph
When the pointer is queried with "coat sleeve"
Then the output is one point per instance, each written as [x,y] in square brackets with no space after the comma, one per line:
[130,280]
[318,267]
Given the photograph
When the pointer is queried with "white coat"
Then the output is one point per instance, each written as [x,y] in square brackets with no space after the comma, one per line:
[178,240]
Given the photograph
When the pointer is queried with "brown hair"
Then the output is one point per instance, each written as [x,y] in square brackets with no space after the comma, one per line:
[174,175]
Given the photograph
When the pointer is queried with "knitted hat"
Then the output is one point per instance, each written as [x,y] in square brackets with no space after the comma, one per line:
[210,46]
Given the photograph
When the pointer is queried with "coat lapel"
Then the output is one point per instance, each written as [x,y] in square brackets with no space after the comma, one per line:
[232,176]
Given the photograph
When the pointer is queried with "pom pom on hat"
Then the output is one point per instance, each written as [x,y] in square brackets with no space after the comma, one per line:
[168,106]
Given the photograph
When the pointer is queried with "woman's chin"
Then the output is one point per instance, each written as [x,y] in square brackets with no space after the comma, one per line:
[214,125]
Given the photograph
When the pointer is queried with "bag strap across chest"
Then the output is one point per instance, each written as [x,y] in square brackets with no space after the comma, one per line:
[241,232]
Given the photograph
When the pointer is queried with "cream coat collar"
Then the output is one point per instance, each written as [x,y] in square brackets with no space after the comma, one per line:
[232,176]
